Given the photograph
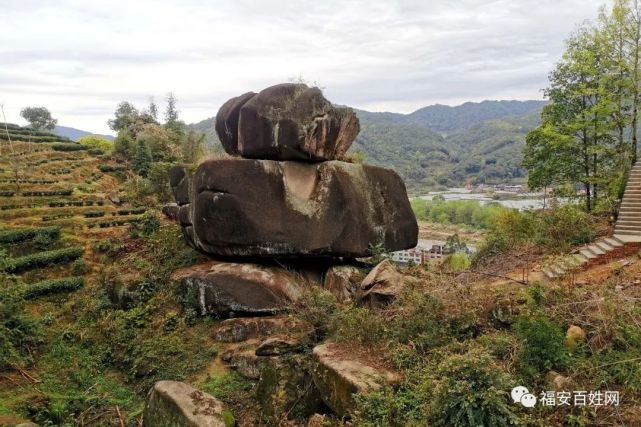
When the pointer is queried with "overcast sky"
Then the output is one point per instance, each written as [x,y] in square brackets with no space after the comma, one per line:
[80,58]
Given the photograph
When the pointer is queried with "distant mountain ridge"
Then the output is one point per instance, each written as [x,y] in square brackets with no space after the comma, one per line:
[75,134]
[441,146]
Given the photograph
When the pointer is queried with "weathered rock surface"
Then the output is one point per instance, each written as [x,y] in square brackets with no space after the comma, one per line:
[176,404]
[285,387]
[245,362]
[245,207]
[277,346]
[179,183]
[381,286]
[286,122]
[241,329]
[227,122]
[170,210]
[339,374]
[343,281]
[227,289]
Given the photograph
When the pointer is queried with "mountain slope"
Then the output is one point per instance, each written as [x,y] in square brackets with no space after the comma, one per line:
[446,119]
[75,134]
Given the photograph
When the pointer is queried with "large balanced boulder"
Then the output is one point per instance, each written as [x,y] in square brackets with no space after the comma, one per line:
[338,374]
[227,289]
[176,404]
[286,122]
[242,207]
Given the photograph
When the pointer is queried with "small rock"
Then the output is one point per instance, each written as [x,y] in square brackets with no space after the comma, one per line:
[558,382]
[245,362]
[381,286]
[275,346]
[170,210]
[177,404]
[343,281]
[317,420]
[505,311]
[574,336]
[338,375]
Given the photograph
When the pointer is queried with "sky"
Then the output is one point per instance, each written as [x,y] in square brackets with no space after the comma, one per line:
[80,58]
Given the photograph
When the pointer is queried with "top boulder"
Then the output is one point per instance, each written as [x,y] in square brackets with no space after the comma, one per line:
[286,122]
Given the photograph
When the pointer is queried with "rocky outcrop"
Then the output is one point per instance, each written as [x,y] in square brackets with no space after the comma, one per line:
[266,208]
[286,122]
[176,404]
[344,282]
[225,289]
[244,361]
[338,374]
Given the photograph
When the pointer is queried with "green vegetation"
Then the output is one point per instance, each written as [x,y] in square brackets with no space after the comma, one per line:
[92,142]
[588,133]
[460,212]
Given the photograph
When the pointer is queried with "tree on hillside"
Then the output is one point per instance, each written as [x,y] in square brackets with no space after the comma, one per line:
[142,159]
[588,131]
[125,116]
[124,145]
[152,110]
[38,118]
[172,121]
[193,146]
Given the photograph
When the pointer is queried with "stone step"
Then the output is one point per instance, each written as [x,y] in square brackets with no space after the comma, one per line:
[604,246]
[588,254]
[595,250]
[628,222]
[581,259]
[628,232]
[613,241]
[627,227]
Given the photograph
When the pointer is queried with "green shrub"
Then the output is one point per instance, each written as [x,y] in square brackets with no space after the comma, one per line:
[458,261]
[53,286]
[93,142]
[19,332]
[471,390]
[542,345]
[43,259]
[24,234]
[68,147]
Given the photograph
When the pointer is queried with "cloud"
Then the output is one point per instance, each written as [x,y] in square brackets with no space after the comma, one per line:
[81,58]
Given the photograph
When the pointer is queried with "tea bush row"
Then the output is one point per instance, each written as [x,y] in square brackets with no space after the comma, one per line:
[43,259]
[24,234]
[52,286]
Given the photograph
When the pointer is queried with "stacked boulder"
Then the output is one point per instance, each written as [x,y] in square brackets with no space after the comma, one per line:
[283,212]
[288,195]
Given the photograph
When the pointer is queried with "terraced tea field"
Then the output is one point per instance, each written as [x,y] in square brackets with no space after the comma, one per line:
[57,201]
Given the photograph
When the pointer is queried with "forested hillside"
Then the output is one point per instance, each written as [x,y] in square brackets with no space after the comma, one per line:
[441,146]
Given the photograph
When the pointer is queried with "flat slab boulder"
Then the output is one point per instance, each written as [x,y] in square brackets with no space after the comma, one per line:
[339,373]
[226,289]
[242,328]
[177,404]
[241,207]
[286,122]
